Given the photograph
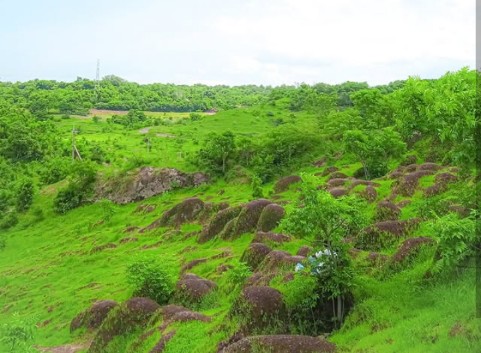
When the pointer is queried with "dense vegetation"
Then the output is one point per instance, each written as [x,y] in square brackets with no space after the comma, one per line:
[402,154]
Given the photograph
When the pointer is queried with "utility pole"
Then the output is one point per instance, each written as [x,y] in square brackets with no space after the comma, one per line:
[75,152]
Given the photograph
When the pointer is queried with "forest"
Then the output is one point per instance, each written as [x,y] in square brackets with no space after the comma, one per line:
[177,218]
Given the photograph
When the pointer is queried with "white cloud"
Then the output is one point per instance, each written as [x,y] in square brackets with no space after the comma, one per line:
[246,41]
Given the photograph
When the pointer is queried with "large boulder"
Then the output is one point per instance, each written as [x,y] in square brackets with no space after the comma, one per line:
[270,217]
[218,223]
[247,220]
[93,317]
[134,313]
[284,183]
[145,183]
[281,344]
[255,254]
[260,309]
[191,289]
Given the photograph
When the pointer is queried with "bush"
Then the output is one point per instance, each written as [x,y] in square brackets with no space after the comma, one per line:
[24,195]
[456,241]
[9,221]
[238,274]
[67,199]
[150,279]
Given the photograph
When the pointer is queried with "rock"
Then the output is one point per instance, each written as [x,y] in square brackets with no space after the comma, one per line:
[281,344]
[218,223]
[103,247]
[338,192]
[147,182]
[192,264]
[337,175]
[336,182]
[262,237]
[255,254]
[93,317]
[260,309]
[247,220]
[386,211]
[284,183]
[409,248]
[270,217]
[384,233]
[328,171]
[134,313]
[277,259]
[304,251]
[192,289]
[177,313]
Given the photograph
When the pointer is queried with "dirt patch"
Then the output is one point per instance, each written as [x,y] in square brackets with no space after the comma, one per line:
[328,171]
[128,240]
[283,184]
[68,348]
[385,233]
[103,247]
[281,344]
[270,217]
[144,209]
[131,229]
[337,175]
[190,265]
[160,345]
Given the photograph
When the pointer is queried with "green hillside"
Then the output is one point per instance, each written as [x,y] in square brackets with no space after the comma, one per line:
[204,211]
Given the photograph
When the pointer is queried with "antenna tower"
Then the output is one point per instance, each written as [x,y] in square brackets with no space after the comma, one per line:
[97,82]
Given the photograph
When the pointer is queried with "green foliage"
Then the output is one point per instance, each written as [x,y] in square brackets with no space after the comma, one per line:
[9,220]
[150,279]
[238,274]
[55,169]
[256,183]
[25,193]
[216,152]
[79,188]
[374,149]
[18,334]
[456,241]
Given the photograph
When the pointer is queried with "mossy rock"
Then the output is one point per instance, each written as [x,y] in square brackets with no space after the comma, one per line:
[93,317]
[255,254]
[283,184]
[270,217]
[218,223]
[260,309]
[191,289]
[133,314]
[387,211]
[281,344]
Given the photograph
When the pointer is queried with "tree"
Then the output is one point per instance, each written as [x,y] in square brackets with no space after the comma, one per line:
[326,221]
[374,149]
[216,152]
[25,193]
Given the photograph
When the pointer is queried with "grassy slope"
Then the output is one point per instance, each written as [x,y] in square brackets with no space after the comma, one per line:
[48,270]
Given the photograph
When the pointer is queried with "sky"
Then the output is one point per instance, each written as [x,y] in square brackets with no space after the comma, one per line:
[234,42]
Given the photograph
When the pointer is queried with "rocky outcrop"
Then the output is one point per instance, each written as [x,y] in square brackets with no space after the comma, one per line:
[147,182]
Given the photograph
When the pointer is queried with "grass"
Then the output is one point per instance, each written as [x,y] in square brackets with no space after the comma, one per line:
[49,271]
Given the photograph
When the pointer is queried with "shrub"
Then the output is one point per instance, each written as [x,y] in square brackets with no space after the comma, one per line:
[238,274]
[456,241]
[67,199]
[9,221]
[24,195]
[150,279]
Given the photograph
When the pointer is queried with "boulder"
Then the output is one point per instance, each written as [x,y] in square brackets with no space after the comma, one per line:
[93,317]
[270,217]
[281,344]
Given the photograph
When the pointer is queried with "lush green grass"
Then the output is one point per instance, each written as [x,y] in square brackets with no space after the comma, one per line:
[50,270]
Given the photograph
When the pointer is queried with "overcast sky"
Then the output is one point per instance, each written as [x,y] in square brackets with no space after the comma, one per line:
[235,42]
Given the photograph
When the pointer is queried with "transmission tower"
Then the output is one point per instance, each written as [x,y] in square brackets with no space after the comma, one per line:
[97,82]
